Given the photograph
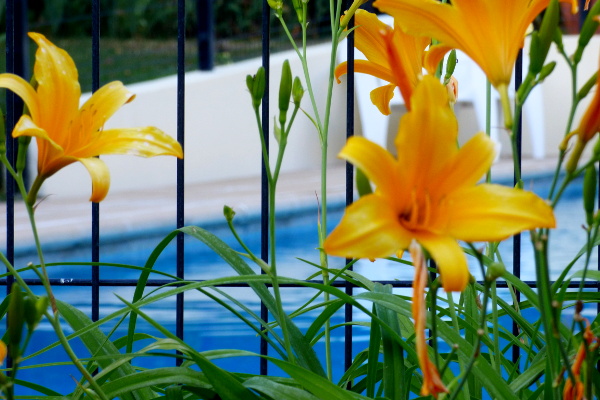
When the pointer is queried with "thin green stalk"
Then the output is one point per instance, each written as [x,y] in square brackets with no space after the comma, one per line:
[433,339]
[53,318]
[265,151]
[497,359]
[540,247]
[274,276]
[477,345]
[574,103]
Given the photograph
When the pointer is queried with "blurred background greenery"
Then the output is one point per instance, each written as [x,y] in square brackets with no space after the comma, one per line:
[139,37]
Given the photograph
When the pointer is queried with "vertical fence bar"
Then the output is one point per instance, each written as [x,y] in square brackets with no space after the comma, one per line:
[205,35]
[264,187]
[517,238]
[179,317]
[95,206]
[349,182]
[15,63]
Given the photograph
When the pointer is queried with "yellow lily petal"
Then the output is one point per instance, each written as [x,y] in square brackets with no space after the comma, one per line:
[420,134]
[22,89]
[369,229]
[144,142]
[491,212]
[489,32]
[100,177]
[368,38]
[450,259]
[376,163]
[26,127]
[434,55]
[101,106]
[469,165]
[381,98]
[58,87]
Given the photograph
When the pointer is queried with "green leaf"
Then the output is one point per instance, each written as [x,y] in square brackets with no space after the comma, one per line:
[225,384]
[276,390]
[141,285]
[363,186]
[317,385]
[155,377]
[305,353]
[394,370]
[99,345]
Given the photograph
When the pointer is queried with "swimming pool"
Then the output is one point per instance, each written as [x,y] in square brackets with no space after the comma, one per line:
[208,326]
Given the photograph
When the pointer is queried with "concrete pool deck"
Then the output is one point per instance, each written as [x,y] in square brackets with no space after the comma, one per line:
[62,219]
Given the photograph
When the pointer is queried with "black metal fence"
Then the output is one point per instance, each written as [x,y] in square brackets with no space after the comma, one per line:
[17,62]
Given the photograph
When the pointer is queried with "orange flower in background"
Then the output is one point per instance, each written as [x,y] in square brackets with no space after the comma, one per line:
[3,352]
[66,133]
[392,56]
[429,193]
[432,383]
[489,32]
[588,126]
[576,390]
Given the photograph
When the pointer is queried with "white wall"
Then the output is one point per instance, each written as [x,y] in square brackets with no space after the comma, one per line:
[221,138]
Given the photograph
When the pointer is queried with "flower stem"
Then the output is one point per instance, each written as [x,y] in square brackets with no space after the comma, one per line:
[540,246]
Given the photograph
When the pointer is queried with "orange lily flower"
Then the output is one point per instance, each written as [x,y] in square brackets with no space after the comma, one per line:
[489,32]
[432,383]
[576,390]
[66,133]
[392,56]
[429,192]
[3,352]
[588,126]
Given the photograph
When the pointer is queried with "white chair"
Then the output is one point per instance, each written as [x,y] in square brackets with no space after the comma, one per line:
[471,89]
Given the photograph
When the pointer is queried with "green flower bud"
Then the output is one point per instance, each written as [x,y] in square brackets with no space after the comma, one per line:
[363,186]
[22,153]
[546,70]
[298,6]
[256,85]
[228,213]
[297,92]
[276,5]
[585,89]
[589,27]
[350,13]
[450,66]
[34,310]
[16,319]
[541,40]
[285,91]
[495,271]
[589,192]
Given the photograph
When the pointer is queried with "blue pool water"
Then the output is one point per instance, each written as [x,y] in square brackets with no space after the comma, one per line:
[208,326]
